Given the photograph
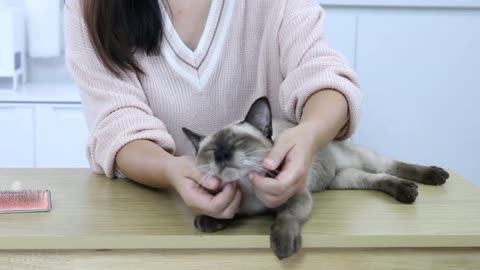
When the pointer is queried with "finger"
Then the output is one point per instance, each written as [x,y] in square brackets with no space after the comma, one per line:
[292,172]
[267,185]
[232,209]
[205,180]
[276,155]
[271,201]
[196,197]
[212,183]
[220,201]
[287,180]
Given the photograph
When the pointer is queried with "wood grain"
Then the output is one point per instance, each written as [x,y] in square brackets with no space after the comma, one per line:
[92,212]
[261,259]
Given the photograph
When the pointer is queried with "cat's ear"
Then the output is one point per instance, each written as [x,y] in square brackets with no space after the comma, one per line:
[260,116]
[195,138]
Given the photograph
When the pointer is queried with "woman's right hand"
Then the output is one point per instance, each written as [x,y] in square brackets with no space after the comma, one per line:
[184,176]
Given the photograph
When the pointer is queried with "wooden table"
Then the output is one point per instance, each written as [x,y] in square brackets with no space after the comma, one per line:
[98,223]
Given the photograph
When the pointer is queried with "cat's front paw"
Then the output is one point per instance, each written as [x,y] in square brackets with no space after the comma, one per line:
[435,176]
[285,239]
[406,192]
[209,224]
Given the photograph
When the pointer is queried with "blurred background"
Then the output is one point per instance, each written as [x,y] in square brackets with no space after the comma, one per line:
[418,60]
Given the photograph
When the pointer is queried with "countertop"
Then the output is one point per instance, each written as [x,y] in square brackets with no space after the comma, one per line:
[42,93]
[92,212]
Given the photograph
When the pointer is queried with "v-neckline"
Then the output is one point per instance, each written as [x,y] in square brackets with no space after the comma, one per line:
[193,58]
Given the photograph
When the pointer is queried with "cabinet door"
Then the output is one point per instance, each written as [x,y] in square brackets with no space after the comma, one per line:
[16,136]
[340,28]
[420,76]
[61,136]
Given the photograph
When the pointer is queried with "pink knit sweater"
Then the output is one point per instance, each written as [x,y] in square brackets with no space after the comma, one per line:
[248,49]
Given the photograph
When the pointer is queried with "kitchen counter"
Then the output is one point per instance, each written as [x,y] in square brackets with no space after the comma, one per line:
[91,213]
[42,93]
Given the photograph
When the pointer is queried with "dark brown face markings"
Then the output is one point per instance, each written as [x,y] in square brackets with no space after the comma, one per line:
[232,152]
[224,141]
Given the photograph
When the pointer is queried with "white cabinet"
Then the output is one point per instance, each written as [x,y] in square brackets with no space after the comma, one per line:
[42,136]
[16,136]
[420,76]
[61,136]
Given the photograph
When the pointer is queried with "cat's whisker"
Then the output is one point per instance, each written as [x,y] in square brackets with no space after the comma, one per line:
[208,175]
[258,167]
[256,151]
[203,167]
[270,173]
[204,170]
[250,149]
[253,161]
[257,162]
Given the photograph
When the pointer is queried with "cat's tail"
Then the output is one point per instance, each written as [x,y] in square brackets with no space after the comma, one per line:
[367,160]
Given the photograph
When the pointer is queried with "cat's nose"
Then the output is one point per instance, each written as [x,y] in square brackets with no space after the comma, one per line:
[222,155]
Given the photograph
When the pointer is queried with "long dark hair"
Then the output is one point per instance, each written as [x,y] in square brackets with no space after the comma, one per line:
[119,28]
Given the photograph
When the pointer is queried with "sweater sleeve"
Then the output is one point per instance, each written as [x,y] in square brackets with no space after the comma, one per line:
[309,65]
[116,109]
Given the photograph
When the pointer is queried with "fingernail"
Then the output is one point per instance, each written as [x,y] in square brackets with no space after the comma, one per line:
[270,162]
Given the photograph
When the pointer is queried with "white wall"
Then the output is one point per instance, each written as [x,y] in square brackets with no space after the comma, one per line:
[403,3]
[419,70]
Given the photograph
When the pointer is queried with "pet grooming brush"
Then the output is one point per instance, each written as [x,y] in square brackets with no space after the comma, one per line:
[25,201]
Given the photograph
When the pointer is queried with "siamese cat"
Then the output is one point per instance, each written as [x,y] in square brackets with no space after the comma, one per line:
[239,148]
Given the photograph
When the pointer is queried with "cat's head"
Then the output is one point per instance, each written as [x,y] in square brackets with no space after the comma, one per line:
[237,149]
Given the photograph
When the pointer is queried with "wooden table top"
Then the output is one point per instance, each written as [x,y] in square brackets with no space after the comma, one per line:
[92,212]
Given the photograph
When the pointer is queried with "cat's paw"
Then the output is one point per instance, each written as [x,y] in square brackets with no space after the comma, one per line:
[209,224]
[435,176]
[285,239]
[406,192]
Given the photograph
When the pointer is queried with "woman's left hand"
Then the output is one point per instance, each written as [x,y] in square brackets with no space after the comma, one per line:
[294,148]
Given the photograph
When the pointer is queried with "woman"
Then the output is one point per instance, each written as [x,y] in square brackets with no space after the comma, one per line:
[148,68]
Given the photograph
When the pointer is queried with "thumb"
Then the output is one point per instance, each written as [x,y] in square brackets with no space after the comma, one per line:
[204,180]
[209,182]
[276,155]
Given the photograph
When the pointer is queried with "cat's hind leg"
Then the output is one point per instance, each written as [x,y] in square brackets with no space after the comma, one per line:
[371,161]
[403,190]
[285,235]
[430,175]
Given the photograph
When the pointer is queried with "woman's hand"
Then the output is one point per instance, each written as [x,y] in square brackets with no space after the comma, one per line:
[324,115]
[295,147]
[184,176]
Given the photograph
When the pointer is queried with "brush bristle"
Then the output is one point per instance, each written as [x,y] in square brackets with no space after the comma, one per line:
[24,200]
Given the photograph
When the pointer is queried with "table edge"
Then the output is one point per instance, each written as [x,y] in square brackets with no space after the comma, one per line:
[232,242]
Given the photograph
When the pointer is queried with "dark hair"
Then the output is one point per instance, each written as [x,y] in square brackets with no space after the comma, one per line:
[119,28]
